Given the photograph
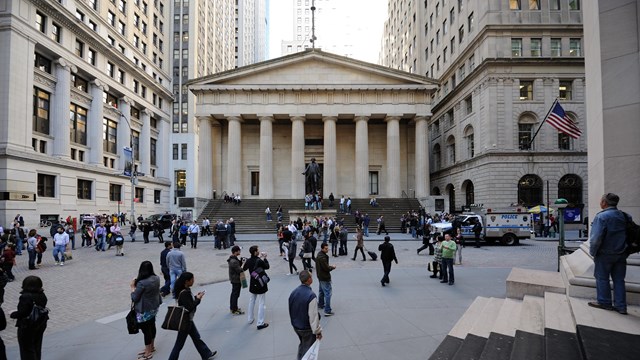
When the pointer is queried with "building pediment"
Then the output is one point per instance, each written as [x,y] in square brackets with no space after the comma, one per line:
[314,68]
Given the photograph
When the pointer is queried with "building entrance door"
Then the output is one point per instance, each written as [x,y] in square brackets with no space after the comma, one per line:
[373,183]
[255,183]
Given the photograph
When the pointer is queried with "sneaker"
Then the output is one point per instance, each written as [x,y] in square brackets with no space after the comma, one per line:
[62,264]
[57,262]
[213,354]
[263,326]
[329,313]
[237,312]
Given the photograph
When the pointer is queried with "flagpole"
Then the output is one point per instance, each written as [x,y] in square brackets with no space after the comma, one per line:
[543,121]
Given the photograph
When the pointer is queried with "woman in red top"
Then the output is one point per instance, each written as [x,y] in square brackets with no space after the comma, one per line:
[9,259]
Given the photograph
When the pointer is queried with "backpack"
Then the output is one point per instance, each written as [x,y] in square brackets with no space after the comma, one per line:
[633,235]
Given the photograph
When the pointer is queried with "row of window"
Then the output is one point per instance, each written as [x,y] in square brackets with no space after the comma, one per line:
[555,48]
[536,4]
[85,190]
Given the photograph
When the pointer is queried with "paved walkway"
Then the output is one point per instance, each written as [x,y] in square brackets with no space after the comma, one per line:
[88,298]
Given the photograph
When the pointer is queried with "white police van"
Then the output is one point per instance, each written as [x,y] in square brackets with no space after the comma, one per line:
[507,227]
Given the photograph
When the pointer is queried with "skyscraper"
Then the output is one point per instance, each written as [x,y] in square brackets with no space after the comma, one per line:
[500,65]
[93,76]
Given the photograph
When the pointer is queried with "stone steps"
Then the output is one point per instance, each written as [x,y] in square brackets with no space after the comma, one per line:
[552,326]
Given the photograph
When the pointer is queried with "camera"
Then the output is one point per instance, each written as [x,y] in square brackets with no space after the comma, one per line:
[243,259]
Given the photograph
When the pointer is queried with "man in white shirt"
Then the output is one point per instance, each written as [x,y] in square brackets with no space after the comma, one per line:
[60,241]
[193,230]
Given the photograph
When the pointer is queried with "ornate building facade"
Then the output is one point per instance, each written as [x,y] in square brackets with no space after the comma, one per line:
[365,125]
[81,80]
[500,66]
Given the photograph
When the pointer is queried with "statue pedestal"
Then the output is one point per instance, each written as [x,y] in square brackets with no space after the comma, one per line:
[577,272]
[295,214]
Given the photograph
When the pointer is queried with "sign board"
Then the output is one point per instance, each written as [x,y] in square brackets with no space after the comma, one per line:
[186,215]
[18,196]
[128,161]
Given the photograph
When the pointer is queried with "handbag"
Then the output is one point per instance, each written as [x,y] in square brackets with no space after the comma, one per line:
[243,280]
[132,321]
[177,319]
[307,255]
[38,317]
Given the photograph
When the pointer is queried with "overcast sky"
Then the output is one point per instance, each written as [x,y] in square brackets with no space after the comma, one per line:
[365,17]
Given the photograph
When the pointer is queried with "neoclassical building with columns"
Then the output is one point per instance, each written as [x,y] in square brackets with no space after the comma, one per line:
[260,125]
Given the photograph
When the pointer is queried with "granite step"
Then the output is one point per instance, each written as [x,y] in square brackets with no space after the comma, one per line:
[528,341]
[500,341]
[521,282]
[561,340]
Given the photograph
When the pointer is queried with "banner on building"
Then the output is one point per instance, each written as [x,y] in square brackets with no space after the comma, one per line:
[128,161]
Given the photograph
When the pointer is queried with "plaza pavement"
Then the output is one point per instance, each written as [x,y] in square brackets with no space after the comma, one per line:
[89,298]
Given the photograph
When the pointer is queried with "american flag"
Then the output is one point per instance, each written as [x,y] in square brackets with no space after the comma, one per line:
[559,120]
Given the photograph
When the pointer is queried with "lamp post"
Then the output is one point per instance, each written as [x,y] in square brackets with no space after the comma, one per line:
[132,174]
[561,203]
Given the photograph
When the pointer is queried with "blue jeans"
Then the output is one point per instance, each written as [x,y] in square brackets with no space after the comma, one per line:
[365,230]
[100,243]
[614,266]
[174,274]
[59,249]
[19,241]
[32,258]
[447,270]
[324,298]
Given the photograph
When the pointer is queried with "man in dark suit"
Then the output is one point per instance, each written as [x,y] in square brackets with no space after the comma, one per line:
[387,255]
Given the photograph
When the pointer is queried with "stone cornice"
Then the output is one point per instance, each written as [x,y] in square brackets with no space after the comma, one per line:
[80,97]
[337,87]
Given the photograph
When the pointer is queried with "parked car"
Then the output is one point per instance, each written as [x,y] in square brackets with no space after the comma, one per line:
[164,220]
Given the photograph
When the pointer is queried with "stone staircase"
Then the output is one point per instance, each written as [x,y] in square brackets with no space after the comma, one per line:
[250,218]
[538,320]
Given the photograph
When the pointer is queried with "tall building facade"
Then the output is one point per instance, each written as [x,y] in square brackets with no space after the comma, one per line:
[500,65]
[93,77]
[209,37]
[251,31]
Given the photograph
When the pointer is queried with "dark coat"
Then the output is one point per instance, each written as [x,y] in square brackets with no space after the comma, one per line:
[25,305]
[387,252]
[234,269]
[146,296]
[253,263]
[323,270]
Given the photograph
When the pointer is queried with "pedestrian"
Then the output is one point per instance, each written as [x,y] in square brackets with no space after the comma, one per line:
[459,245]
[303,313]
[307,252]
[437,259]
[184,297]
[426,240]
[145,295]
[448,253]
[175,231]
[235,270]
[41,247]
[32,243]
[101,234]
[285,237]
[334,239]
[118,241]
[231,226]
[344,236]
[366,220]
[72,235]
[323,272]
[359,244]
[381,226]
[166,288]
[9,255]
[176,263]
[293,249]
[3,319]
[194,229]
[387,255]
[184,231]
[257,264]
[607,246]
[19,237]
[159,231]
[132,232]
[30,335]
[477,231]
[146,229]
[267,211]
[60,241]
[331,199]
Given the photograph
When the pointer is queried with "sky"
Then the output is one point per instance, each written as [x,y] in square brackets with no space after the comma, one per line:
[364,17]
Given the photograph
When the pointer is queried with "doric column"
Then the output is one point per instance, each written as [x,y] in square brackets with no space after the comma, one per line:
[216,144]
[124,129]
[234,155]
[422,157]
[266,157]
[393,156]
[60,110]
[362,157]
[204,162]
[330,175]
[145,142]
[94,126]
[297,157]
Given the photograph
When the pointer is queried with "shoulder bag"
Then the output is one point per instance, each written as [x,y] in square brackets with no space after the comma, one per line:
[132,321]
[177,318]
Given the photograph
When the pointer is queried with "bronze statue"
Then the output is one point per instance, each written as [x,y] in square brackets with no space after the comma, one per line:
[313,177]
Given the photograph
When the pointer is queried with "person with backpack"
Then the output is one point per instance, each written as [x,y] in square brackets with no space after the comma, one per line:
[608,245]
[30,334]
[258,288]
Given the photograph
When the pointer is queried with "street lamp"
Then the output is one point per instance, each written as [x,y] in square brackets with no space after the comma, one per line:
[132,173]
[561,203]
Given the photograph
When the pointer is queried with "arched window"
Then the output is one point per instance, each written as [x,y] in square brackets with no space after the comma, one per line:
[435,191]
[565,142]
[469,141]
[526,127]
[452,197]
[570,188]
[469,196]
[451,150]
[437,157]
[530,190]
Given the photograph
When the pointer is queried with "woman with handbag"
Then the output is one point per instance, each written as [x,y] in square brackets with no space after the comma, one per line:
[182,293]
[145,295]
[30,334]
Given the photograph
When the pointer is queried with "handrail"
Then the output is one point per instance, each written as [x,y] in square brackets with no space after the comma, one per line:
[404,195]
